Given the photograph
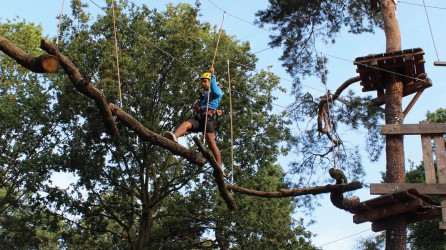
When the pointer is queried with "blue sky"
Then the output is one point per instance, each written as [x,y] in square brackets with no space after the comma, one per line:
[334,227]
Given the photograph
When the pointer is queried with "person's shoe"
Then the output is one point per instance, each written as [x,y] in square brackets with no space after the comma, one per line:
[170,136]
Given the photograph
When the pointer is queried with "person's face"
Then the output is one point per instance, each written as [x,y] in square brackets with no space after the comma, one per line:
[205,83]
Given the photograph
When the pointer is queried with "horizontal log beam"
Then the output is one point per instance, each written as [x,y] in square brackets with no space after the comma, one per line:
[422,188]
[432,213]
[41,64]
[83,86]
[413,129]
[388,211]
[154,138]
[281,193]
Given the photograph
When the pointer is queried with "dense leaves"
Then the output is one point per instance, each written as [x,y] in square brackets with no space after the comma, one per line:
[27,137]
[128,193]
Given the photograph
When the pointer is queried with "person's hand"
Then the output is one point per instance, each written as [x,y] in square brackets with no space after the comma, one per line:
[212,70]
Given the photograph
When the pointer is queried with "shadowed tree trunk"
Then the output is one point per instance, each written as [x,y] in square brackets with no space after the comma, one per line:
[396,230]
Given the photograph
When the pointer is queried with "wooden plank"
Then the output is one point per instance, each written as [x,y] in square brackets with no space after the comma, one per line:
[429,168]
[407,90]
[391,55]
[381,201]
[412,102]
[422,188]
[410,218]
[392,210]
[413,129]
[440,156]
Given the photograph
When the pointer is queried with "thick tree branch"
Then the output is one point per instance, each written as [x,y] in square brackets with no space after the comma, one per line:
[156,139]
[218,175]
[322,118]
[337,197]
[83,86]
[108,110]
[40,64]
[281,193]
[348,204]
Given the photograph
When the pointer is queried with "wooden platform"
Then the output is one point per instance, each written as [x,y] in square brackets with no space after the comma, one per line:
[407,201]
[409,205]
[407,63]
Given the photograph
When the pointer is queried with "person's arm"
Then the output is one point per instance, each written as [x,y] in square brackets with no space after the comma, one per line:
[215,90]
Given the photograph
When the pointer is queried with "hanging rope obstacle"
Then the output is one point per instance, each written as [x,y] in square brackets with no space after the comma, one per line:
[212,67]
[116,53]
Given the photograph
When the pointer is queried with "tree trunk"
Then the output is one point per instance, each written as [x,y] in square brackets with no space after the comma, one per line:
[221,235]
[146,219]
[145,228]
[395,171]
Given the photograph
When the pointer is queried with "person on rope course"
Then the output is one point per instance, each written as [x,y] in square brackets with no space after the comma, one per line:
[197,123]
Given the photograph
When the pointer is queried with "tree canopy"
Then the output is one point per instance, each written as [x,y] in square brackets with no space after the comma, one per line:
[128,192]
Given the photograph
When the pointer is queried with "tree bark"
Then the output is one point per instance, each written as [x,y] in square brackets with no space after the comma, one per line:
[145,228]
[395,171]
[282,193]
[40,64]
[83,86]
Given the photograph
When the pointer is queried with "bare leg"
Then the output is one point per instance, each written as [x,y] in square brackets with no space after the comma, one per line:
[210,138]
[183,128]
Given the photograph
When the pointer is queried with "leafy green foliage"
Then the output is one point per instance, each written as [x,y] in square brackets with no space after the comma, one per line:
[27,138]
[371,243]
[129,193]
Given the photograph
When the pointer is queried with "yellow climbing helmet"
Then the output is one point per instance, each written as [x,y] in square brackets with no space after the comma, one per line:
[206,75]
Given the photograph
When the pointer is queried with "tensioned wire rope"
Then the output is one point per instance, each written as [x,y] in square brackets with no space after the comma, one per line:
[148,40]
[253,69]
[329,55]
[422,5]
[145,38]
[307,86]
[249,67]
[176,59]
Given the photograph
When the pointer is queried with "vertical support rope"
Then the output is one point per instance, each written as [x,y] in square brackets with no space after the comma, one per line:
[60,23]
[232,128]
[209,91]
[116,53]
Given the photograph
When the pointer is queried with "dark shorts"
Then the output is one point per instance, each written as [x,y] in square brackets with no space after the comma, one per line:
[198,125]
